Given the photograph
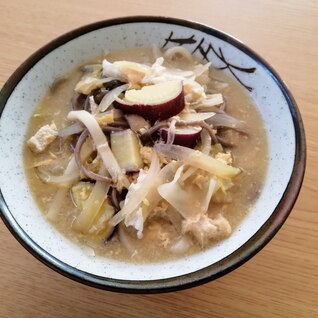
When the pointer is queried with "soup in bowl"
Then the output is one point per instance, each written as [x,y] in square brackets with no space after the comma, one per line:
[150,153]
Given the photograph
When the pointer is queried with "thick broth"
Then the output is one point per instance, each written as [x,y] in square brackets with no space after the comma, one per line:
[250,154]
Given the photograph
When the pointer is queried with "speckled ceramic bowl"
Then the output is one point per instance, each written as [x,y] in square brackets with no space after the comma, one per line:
[284,128]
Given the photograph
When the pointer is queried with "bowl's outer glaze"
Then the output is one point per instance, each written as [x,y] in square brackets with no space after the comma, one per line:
[283,125]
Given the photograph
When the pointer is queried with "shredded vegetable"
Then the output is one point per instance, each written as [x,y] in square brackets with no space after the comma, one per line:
[145,153]
[199,160]
[102,146]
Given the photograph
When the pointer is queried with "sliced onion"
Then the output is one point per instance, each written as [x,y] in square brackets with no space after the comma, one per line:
[225,120]
[109,97]
[153,196]
[211,101]
[85,171]
[138,191]
[199,160]
[171,132]
[205,142]
[91,207]
[102,147]
[155,127]
[60,195]
[190,117]
[71,130]
[71,173]
[92,106]
[210,192]
[187,174]
[62,181]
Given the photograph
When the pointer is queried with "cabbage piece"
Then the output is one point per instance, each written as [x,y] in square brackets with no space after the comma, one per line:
[188,173]
[153,197]
[171,132]
[71,130]
[136,220]
[197,159]
[149,200]
[101,226]
[138,191]
[189,199]
[59,197]
[95,211]
[91,207]
[204,229]
[206,141]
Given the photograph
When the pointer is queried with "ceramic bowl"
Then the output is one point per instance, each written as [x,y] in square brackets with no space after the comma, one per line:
[283,125]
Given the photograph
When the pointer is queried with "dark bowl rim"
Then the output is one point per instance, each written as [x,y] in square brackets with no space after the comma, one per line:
[227,264]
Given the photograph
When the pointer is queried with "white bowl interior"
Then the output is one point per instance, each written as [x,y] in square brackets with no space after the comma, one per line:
[266,93]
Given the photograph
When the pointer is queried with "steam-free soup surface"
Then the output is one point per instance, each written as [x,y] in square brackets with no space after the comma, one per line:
[249,153]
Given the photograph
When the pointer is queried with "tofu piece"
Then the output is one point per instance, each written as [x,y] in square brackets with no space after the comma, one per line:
[43,137]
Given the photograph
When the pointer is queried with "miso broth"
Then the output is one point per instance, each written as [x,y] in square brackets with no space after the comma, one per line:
[166,233]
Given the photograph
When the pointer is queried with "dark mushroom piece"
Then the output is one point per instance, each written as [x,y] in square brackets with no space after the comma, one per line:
[114,198]
[79,101]
[101,92]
